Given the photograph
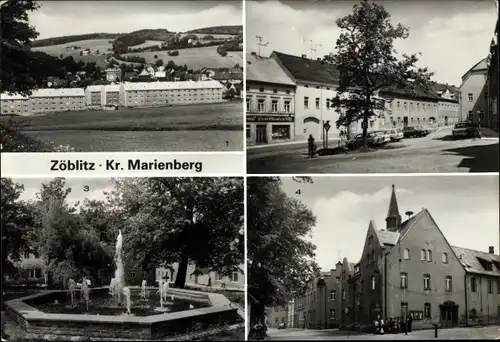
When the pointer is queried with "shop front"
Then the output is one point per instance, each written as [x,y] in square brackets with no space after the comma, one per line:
[269,129]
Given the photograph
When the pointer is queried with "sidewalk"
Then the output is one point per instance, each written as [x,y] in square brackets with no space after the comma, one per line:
[216,287]
[488,133]
[331,142]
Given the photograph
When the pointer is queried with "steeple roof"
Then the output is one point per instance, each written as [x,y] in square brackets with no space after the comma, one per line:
[393,205]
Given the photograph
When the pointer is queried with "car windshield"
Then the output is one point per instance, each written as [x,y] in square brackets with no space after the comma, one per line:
[460,125]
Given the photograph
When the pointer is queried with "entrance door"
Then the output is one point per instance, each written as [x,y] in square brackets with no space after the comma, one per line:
[261,134]
[446,121]
[449,316]
[405,121]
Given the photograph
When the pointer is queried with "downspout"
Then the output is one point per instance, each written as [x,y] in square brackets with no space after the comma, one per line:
[385,285]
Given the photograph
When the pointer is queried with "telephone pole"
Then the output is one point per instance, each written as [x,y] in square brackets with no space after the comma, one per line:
[259,44]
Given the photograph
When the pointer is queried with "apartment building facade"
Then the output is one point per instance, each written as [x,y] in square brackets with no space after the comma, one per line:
[151,94]
[44,101]
[270,106]
[102,95]
[316,83]
[14,104]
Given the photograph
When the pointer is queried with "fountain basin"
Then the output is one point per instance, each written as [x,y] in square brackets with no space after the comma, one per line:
[210,308]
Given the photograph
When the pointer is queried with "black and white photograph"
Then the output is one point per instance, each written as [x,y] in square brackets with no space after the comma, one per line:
[373,258]
[131,76]
[371,86]
[137,259]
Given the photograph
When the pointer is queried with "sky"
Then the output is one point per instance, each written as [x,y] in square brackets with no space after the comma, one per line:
[62,18]
[465,208]
[451,35]
[96,188]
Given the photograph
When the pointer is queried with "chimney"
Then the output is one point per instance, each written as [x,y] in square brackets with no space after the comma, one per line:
[492,250]
[254,53]
[304,57]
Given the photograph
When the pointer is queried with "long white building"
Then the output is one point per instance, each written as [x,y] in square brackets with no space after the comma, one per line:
[44,101]
[151,94]
[102,95]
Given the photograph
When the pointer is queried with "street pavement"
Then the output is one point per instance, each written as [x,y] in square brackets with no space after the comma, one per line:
[436,153]
[489,332]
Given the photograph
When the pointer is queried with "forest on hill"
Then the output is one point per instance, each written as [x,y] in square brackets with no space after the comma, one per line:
[74,38]
[233,30]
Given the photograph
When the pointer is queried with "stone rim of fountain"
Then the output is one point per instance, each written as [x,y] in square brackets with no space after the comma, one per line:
[34,320]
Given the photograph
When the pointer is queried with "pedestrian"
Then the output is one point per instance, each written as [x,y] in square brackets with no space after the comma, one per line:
[223,285]
[396,325]
[310,146]
[389,325]
[209,282]
[381,326]
[375,327]
[410,321]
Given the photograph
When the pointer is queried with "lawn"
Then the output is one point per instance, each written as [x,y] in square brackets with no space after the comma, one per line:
[204,127]
[195,58]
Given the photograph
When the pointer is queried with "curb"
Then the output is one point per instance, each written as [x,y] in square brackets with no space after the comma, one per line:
[257,147]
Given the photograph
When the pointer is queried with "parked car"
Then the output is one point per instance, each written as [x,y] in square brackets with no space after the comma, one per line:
[425,131]
[385,135]
[281,326]
[413,132]
[374,139]
[464,130]
[395,134]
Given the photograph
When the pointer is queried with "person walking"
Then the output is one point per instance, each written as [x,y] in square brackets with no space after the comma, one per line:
[209,282]
[410,321]
[310,146]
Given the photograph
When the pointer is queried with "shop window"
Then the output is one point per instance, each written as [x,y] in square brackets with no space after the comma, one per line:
[280,132]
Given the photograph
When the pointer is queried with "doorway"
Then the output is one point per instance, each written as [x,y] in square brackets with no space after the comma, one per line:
[446,121]
[405,121]
[261,134]
[449,314]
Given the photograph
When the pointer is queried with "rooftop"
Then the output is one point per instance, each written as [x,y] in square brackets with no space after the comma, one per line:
[481,65]
[267,70]
[173,85]
[308,70]
[471,261]
[107,87]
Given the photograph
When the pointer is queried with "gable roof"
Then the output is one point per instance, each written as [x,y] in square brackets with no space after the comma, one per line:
[481,65]
[387,238]
[308,70]
[418,92]
[469,259]
[267,70]
[228,75]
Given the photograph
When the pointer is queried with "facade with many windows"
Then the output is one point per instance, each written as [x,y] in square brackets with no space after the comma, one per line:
[152,94]
[270,107]
[44,101]
[102,95]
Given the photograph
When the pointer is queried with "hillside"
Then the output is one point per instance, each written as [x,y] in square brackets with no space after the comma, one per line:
[232,30]
[74,38]
[123,42]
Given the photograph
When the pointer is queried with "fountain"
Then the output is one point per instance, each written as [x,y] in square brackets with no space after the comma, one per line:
[119,282]
[126,292]
[143,289]
[85,293]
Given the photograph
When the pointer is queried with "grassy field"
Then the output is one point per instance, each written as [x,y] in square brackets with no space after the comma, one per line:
[93,44]
[147,43]
[195,58]
[206,127]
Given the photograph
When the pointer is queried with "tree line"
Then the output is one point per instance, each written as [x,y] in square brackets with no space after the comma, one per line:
[163,220]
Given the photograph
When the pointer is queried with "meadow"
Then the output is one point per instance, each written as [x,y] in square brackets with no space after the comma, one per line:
[204,127]
[93,44]
[195,58]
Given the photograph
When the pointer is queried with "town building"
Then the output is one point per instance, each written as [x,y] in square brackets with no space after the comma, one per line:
[409,268]
[56,100]
[232,75]
[491,114]
[151,94]
[199,276]
[472,91]
[278,315]
[270,105]
[14,104]
[316,83]
[113,74]
[102,95]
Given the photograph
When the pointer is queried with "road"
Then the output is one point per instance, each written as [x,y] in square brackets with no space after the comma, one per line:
[490,332]
[436,153]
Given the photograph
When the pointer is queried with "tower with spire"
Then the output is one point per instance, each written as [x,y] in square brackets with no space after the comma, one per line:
[393,220]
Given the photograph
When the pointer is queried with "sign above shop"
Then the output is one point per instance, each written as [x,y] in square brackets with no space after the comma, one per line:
[270,118]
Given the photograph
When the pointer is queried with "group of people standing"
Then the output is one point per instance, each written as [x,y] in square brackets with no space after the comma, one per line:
[394,325]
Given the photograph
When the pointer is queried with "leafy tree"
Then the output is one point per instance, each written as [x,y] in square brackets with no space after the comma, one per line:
[16,38]
[16,219]
[81,53]
[159,62]
[185,220]
[280,260]
[368,63]
[155,56]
